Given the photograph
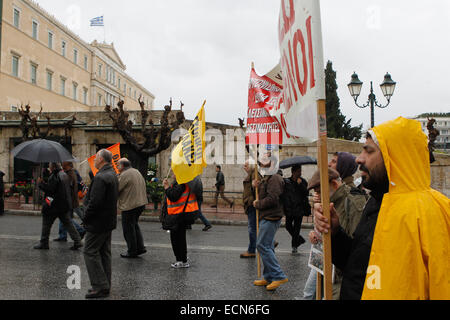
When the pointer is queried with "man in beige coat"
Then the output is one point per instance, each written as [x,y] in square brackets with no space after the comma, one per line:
[132,201]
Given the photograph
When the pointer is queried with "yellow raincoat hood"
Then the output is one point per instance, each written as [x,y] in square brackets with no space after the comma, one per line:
[410,256]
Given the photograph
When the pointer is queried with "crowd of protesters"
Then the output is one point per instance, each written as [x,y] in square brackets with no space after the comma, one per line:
[393,222]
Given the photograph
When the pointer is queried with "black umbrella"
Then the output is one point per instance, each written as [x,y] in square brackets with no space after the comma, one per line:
[297,161]
[42,151]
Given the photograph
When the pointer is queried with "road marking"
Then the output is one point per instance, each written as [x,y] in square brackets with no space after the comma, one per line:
[158,245]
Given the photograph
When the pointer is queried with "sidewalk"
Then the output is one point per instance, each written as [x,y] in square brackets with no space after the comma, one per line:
[224,215]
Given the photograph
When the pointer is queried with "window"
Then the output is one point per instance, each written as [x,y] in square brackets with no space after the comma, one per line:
[130,92]
[16,18]
[49,80]
[15,66]
[85,62]
[63,48]
[114,77]
[99,70]
[50,40]
[85,95]
[34,33]
[33,73]
[14,109]
[99,100]
[63,86]
[118,84]
[75,89]
[75,56]
[125,88]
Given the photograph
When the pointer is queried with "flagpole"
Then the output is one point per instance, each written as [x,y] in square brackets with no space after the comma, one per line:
[258,258]
[319,286]
[324,191]
[257,212]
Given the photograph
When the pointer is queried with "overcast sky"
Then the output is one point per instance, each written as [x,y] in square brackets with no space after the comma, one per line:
[193,50]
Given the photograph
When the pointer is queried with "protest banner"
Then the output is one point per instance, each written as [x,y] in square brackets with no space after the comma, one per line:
[188,157]
[300,39]
[115,150]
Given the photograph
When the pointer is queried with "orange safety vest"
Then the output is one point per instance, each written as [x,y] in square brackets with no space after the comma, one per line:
[174,208]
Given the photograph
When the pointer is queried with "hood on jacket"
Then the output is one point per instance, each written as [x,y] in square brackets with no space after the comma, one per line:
[410,253]
[406,156]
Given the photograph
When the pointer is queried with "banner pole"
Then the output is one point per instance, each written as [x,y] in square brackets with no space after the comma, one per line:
[257,212]
[319,286]
[324,191]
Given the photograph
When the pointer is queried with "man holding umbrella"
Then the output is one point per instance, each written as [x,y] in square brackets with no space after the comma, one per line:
[296,205]
[295,198]
[57,204]
[58,198]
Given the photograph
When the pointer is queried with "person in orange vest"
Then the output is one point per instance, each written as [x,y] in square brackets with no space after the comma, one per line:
[180,209]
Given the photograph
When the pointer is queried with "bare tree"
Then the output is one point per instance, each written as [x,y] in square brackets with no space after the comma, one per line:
[151,140]
[29,124]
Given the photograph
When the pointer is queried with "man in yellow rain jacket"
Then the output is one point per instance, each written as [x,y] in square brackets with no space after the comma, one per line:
[401,247]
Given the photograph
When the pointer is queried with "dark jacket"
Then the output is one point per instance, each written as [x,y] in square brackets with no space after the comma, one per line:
[73,188]
[175,221]
[248,195]
[295,198]
[269,192]
[58,188]
[220,179]
[351,255]
[101,204]
[196,186]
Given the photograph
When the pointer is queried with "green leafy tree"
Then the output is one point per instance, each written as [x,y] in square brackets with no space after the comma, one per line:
[338,126]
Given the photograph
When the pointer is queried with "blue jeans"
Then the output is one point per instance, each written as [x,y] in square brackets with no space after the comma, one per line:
[265,244]
[309,293]
[251,212]
[63,231]
[201,216]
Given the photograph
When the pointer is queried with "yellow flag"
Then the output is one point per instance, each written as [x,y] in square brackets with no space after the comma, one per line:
[188,157]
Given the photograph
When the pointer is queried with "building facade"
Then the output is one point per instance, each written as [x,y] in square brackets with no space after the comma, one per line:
[225,145]
[443,125]
[43,63]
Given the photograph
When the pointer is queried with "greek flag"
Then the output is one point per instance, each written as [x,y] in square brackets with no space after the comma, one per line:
[97,22]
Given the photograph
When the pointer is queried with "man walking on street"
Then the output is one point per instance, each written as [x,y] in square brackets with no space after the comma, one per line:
[70,171]
[196,186]
[270,209]
[220,188]
[100,220]
[132,201]
[57,204]
[248,197]
[296,205]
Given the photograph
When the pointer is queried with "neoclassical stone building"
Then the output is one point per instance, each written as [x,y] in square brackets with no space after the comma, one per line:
[225,146]
[42,62]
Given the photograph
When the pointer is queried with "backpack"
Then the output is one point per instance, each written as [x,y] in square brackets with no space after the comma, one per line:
[356,200]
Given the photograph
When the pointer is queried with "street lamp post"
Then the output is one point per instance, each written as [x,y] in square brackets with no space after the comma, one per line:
[387,87]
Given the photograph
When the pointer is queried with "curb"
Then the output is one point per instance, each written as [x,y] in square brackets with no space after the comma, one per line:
[223,222]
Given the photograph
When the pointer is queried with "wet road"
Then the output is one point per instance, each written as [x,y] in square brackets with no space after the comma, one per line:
[216,272]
